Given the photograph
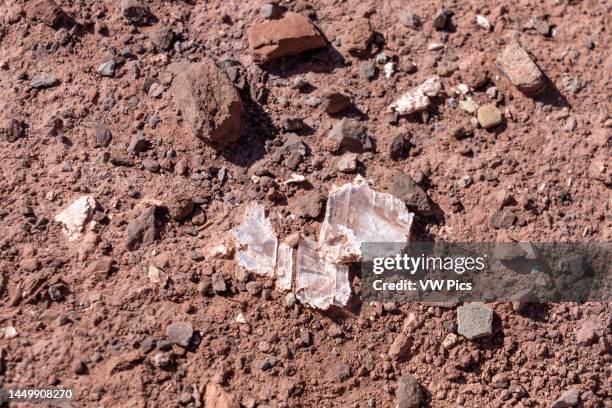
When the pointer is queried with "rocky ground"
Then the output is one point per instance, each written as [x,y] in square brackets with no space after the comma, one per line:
[134,134]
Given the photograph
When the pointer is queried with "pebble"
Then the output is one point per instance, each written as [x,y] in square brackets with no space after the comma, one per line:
[503,219]
[44,80]
[141,231]
[350,135]
[442,18]
[135,11]
[137,143]
[572,84]
[268,11]
[406,189]
[368,70]
[103,135]
[151,165]
[107,68]
[180,333]
[162,38]
[474,320]
[569,398]
[334,102]
[400,347]
[218,283]
[347,163]
[489,116]
[399,146]
[520,69]
[483,22]
[409,393]
[469,105]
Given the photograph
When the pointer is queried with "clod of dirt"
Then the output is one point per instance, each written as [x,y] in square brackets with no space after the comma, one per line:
[418,98]
[209,102]
[217,397]
[180,205]
[474,320]
[358,37]
[47,12]
[290,35]
[76,216]
[520,69]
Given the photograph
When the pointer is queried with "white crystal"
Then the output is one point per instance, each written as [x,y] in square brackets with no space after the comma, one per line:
[356,214]
[76,216]
[257,242]
[319,282]
[389,69]
[483,22]
[434,46]
[284,267]
[295,179]
[417,99]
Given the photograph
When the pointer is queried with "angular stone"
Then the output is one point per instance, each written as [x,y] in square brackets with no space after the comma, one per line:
[404,188]
[13,129]
[347,163]
[587,334]
[319,282]
[503,219]
[179,333]
[489,116]
[256,242]
[217,397]
[180,205]
[107,68]
[135,11]
[333,102]
[209,102]
[162,38]
[44,80]
[474,320]
[141,231]
[349,134]
[400,347]
[409,393]
[290,35]
[520,69]
[399,146]
[418,98]
[76,216]
[355,214]
[284,267]
[569,398]
[137,143]
[103,135]
[309,205]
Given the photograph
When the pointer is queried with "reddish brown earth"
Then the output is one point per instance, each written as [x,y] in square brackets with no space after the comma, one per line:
[88,316]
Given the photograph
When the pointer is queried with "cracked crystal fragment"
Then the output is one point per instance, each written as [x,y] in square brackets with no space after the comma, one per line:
[319,282]
[284,267]
[257,242]
[418,98]
[356,214]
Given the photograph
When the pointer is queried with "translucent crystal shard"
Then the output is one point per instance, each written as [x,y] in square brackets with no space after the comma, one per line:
[355,214]
[257,243]
[319,282]
[284,267]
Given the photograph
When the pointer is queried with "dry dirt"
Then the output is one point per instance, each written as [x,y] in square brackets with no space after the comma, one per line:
[87,313]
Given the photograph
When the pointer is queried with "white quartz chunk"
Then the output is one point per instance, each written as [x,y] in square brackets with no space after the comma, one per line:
[256,242]
[418,98]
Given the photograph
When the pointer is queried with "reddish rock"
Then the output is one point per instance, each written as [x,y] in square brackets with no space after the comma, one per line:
[400,347]
[290,35]
[47,12]
[587,334]
[209,102]
[217,397]
[520,69]
[358,37]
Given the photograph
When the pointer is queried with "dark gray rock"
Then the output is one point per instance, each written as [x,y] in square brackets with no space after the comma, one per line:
[179,333]
[474,320]
[103,135]
[349,134]
[141,231]
[409,393]
[407,190]
[569,398]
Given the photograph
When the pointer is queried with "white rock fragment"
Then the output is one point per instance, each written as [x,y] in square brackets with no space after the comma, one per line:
[418,98]
[435,46]
[76,216]
[356,214]
[256,242]
[319,282]
[284,267]
[295,179]
[240,318]
[483,22]
[9,332]
[389,69]
[462,89]
[157,276]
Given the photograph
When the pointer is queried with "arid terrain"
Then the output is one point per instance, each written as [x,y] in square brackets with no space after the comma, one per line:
[135,135]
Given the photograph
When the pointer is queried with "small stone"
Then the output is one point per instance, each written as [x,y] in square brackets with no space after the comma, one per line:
[409,19]
[500,380]
[163,38]
[368,70]
[587,334]
[137,143]
[333,102]
[107,68]
[358,37]
[349,134]
[269,11]
[157,276]
[347,163]
[135,11]
[254,288]
[47,12]
[79,367]
[76,216]
[469,105]
[569,398]
[141,231]
[503,219]
[342,372]
[179,333]
[103,135]
[44,80]
[217,397]
[441,19]
[520,69]
[399,147]
[309,205]
[13,130]
[409,393]
[483,22]
[474,320]
[489,116]
[400,347]
[407,190]
[290,300]
[450,341]
[292,124]
[180,205]
[572,83]
[218,283]
[290,35]
[151,165]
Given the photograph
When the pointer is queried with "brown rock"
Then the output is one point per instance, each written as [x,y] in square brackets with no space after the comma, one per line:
[217,397]
[309,205]
[407,190]
[209,102]
[334,102]
[179,206]
[489,116]
[358,37]
[47,12]
[349,134]
[141,231]
[409,393]
[290,35]
[400,347]
[135,11]
[520,69]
